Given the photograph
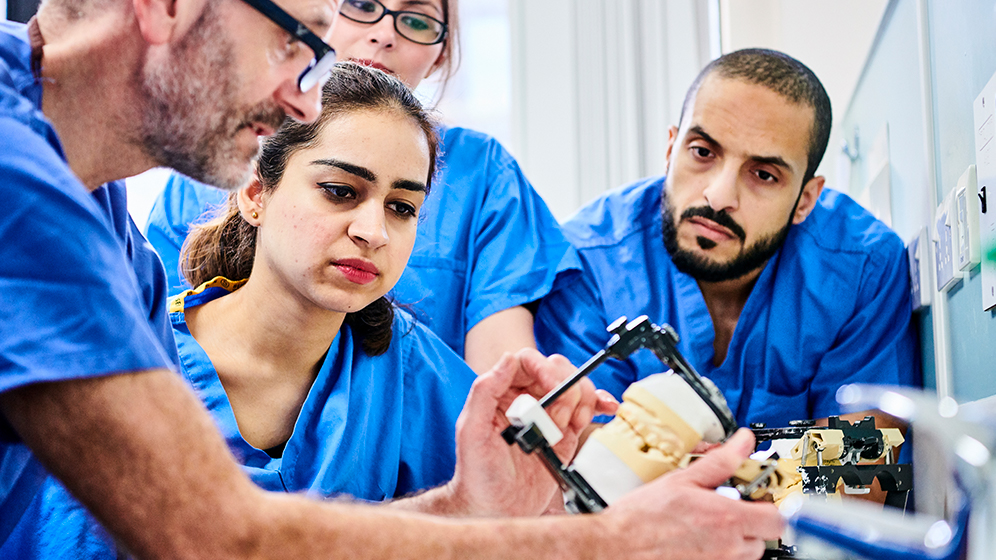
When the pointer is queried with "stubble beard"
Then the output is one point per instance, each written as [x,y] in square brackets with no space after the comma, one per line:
[191,116]
[704,269]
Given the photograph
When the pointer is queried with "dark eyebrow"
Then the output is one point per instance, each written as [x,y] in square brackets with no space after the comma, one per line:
[773,160]
[698,131]
[370,176]
[409,185]
[361,172]
[770,160]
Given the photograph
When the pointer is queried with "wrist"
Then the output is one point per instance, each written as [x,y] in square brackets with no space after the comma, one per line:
[443,500]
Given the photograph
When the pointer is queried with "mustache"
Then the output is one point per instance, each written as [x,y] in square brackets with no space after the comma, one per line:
[268,114]
[721,218]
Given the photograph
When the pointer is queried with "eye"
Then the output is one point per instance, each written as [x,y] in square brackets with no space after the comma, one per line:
[365,6]
[766,177]
[337,192]
[701,152]
[415,23]
[403,209]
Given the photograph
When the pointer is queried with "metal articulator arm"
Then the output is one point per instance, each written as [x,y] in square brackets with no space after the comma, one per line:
[526,427]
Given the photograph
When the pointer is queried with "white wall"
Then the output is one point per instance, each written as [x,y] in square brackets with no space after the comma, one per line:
[832,37]
[596,83]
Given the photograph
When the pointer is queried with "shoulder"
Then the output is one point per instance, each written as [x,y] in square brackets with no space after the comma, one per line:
[409,331]
[617,215]
[184,200]
[463,148]
[839,225]
[15,56]
[422,351]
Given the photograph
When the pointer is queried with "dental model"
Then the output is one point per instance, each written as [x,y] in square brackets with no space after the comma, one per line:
[659,421]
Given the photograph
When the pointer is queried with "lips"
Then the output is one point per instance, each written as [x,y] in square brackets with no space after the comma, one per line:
[357,270]
[262,130]
[372,64]
[712,228]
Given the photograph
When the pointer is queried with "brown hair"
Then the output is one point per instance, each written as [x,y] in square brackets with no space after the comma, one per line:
[226,245]
[451,45]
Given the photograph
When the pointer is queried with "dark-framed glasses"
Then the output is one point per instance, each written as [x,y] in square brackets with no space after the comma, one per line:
[414,26]
[318,71]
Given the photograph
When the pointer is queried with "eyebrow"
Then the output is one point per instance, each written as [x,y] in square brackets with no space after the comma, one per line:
[318,19]
[420,3]
[370,176]
[770,160]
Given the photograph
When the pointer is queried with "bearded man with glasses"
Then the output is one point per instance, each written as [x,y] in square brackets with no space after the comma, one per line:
[93,91]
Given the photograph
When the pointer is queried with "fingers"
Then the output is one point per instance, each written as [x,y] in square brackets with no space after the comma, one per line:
[606,404]
[761,520]
[486,392]
[718,465]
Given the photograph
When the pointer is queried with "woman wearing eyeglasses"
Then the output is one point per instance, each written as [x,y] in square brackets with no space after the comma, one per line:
[315,380]
[487,245]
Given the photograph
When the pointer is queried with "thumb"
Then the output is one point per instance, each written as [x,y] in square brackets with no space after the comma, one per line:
[487,390]
[718,465]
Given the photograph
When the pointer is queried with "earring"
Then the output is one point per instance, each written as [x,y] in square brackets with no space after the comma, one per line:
[254,215]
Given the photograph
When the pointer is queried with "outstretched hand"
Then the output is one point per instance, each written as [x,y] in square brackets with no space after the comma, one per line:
[680,515]
[495,479]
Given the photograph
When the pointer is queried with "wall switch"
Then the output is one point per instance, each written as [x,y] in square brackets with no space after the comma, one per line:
[967,252]
[944,269]
[919,279]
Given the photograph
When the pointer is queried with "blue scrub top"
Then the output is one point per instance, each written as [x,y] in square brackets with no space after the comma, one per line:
[371,427]
[831,307]
[486,240]
[75,291]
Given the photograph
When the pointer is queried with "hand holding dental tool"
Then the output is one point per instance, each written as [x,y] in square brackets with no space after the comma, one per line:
[661,419]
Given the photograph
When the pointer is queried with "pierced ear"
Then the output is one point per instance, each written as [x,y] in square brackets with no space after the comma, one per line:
[810,194]
[250,199]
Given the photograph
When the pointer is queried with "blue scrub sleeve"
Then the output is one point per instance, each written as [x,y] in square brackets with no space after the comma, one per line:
[69,302]
[434,397]
[572,322]
[182,202]
[877,345]
[521,253]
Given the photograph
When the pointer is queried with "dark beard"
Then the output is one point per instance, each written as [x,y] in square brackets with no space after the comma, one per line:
[750,258]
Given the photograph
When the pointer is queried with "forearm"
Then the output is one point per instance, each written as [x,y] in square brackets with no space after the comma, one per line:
[378,532]
[509,330]
[144,456]
[442,500]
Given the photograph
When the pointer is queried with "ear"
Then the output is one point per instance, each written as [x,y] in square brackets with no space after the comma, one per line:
[250,199]
[162,20]
[672,137]
[807,201]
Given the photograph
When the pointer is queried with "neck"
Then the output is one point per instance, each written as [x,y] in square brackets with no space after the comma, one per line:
[725,300]
[89,66]
[267,330]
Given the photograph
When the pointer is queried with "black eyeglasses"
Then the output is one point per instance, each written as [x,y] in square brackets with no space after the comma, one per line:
[414,26]
[318,71]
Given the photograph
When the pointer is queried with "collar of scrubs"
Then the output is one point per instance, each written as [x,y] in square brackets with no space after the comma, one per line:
[204,293]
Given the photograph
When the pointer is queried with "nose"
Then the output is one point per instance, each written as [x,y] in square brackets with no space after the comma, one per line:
[383,33]
[369,226]
[304,106]
[722,193]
